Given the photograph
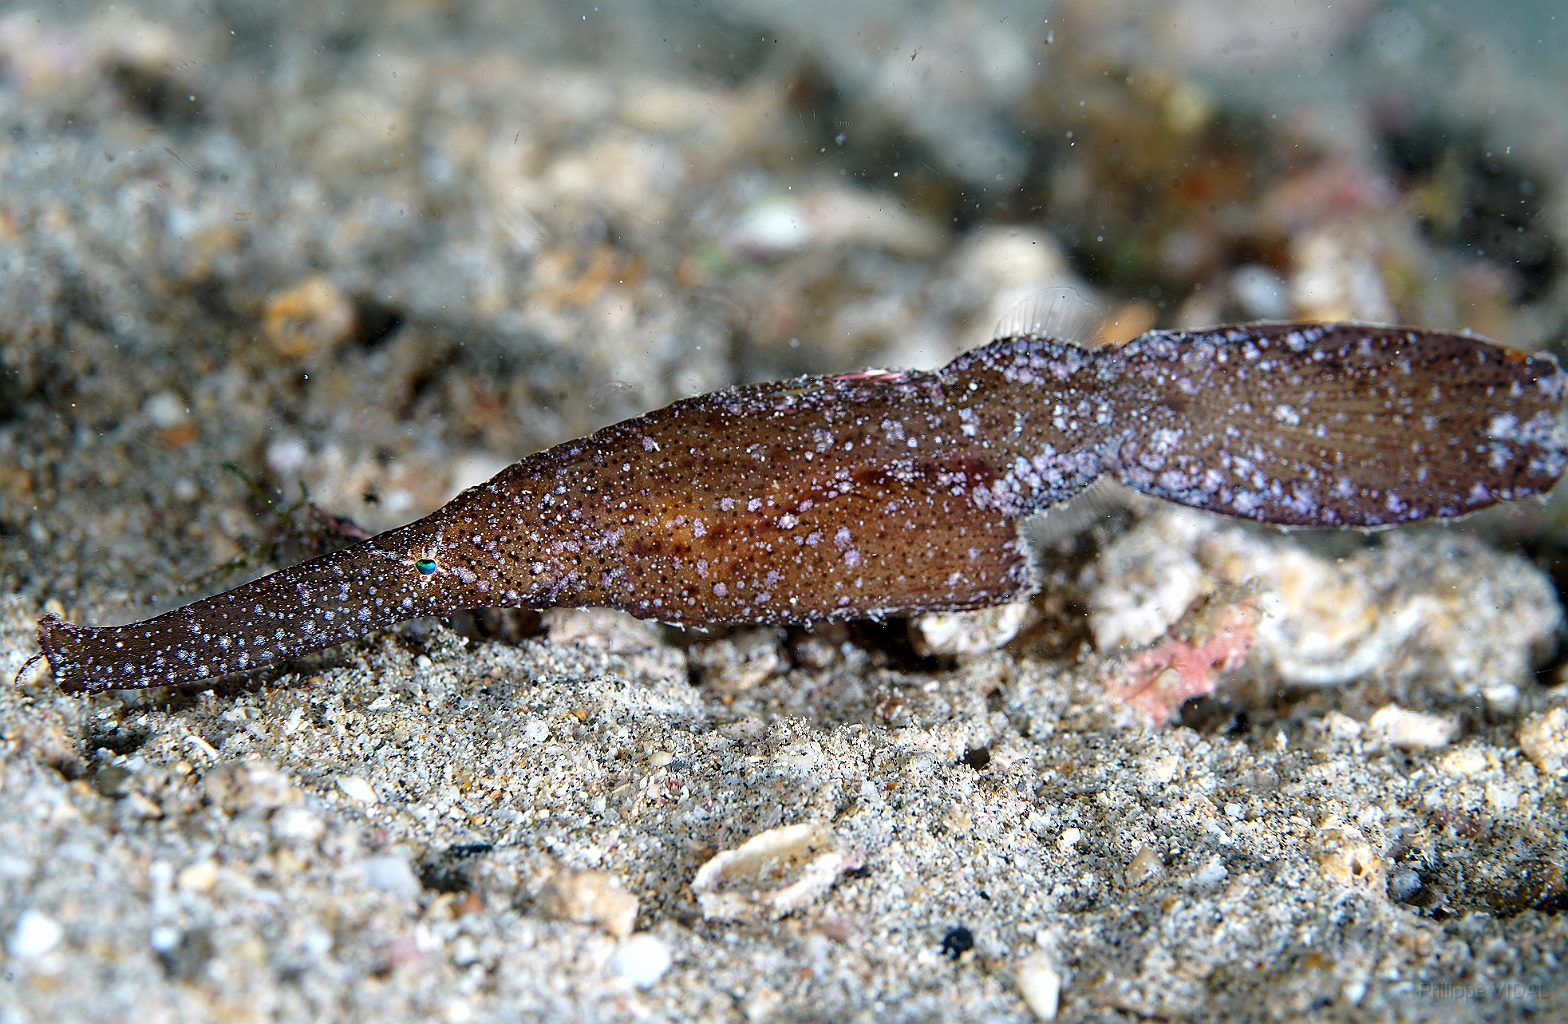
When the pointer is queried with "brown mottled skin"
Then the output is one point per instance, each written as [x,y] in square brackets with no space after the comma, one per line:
[879,494]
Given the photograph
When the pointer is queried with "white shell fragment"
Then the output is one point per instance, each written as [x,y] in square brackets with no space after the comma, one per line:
[827,216]
[967,634]
[356,788]
[772,874]
[1040,983]
[1413,730]
[1146,580]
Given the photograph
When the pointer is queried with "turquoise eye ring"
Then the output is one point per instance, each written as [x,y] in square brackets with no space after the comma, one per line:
[426,566]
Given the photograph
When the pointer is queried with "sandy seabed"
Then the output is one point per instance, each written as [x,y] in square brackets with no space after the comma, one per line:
[382,252]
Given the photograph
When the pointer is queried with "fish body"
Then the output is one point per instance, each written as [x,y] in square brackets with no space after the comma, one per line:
[886,493]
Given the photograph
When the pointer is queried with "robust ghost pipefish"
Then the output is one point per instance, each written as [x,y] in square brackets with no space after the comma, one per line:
[884,493]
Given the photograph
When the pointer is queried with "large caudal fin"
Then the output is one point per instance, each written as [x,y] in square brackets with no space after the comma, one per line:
[1336,425]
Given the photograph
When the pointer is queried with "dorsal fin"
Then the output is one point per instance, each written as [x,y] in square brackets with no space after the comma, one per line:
[1059,313]
[1102,500]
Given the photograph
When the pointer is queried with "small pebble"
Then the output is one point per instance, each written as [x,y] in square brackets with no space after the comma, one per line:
[163,939]
[642,960]
[34,935]
[165,410]
[1261,292]
[198,877]
[1346,857]
[1465,762]
[390,873]
[112,782]
[310,319]
[1544,740]
[298,825]
[1404,883]
[591,897]
[957,941]
[141,807]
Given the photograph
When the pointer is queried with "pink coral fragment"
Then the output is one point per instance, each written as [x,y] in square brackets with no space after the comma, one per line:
[1172,672]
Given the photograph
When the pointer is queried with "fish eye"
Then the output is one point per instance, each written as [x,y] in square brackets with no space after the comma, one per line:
[426,566]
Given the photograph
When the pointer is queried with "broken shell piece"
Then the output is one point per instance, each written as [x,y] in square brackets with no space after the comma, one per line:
[590,897]
[1346,857]
[827,216]
[1144,582]
[1040,983]
[1413,730]
[966,634]
[310,319]
[771,874]
[1145,865]
[1467,761]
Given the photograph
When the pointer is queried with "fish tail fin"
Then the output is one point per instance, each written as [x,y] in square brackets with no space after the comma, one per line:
[1345,425]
